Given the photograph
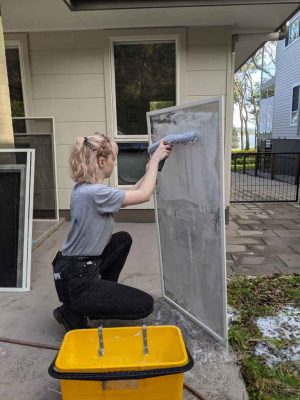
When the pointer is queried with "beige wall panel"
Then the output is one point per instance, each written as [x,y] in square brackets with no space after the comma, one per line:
[63,178]
[6,141]
[2,46]
[5,122]
[67,132]
[66,40]
[64,197]
[206,58]
[5,109]
[205,36]
[67,86]
[4,100]
[62,155]
[206,83]
[4,90]
[3,74]
[67,62]
[3,68]
[71,110]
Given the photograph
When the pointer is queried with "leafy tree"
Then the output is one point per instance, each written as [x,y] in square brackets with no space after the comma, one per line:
[235,138]
[247,88]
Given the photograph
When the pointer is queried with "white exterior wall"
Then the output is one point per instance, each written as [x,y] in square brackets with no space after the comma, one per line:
[71,81]
[209,72]
[287,76]
[68,83]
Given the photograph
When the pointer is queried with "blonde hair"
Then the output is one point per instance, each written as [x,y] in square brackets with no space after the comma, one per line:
[84,156]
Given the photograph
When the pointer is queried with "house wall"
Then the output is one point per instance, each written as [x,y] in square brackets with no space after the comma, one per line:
[287,76]
[7,136]
[71,80]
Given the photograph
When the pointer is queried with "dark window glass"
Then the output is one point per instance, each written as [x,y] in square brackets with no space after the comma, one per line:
[15,82]
[295,105]
[132,160]
[295,101]
[145,79]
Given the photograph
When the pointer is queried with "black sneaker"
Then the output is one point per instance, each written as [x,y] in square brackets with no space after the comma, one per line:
[64,316]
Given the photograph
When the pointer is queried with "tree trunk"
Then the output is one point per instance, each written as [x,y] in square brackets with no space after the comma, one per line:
[242,130]
[247,147]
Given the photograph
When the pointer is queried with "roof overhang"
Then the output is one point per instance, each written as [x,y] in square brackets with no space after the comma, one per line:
[251,20]
[88,5]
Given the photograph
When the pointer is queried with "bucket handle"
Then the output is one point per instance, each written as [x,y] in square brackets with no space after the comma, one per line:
[101,343]
[145,339]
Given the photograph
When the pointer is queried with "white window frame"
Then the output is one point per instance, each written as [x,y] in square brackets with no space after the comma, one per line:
[141,39]
[179,37]
[291,104]
[21,45]
[290,22]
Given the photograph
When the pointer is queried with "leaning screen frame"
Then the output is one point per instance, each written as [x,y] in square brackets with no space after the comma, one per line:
[28,216]
[220,100]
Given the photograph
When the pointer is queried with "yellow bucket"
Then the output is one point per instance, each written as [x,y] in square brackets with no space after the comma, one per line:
[122,363]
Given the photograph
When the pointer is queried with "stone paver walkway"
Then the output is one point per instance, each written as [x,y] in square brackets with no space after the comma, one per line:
[263,239]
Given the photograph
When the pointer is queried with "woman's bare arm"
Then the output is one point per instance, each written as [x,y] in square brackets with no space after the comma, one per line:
[146,187]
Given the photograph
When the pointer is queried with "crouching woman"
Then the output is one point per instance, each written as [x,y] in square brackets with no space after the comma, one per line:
[87,269]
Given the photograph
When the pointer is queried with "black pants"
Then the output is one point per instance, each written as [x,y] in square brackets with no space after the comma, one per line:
[88,285]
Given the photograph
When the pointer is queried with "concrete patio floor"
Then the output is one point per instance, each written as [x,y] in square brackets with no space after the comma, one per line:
[262,238]
[28,316]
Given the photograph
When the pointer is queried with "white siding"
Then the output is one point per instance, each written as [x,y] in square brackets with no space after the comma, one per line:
[70,76]
[287,75]
[68,83]
[206,65]
[209,72]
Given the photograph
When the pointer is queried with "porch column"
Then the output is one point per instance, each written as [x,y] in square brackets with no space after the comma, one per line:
[6,129]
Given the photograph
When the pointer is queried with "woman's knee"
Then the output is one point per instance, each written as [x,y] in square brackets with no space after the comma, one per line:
[124,238]
[145,307]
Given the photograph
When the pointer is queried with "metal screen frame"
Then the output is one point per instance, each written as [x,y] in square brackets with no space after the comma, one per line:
[53,147]
[28,209]
[220,100]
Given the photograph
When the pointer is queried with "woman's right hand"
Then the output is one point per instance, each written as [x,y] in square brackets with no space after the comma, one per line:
[162,152]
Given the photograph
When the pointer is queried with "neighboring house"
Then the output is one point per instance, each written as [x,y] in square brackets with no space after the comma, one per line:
[283,104]
[100,66]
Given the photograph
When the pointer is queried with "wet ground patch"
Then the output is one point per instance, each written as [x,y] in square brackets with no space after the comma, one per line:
[265,334]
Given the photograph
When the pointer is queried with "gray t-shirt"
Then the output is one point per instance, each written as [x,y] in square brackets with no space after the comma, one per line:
[92,209]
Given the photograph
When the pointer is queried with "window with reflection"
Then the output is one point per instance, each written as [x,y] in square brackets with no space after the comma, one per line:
[295,105]
[294,31]
[15,81]
[145,79]
[15,86]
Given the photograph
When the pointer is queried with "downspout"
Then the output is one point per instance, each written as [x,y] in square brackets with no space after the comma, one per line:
[6,128]
[229,123]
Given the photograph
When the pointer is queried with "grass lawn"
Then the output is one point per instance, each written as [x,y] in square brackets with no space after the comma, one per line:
[260,297]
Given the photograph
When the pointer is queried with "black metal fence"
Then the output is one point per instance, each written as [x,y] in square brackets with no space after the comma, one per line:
[264,177]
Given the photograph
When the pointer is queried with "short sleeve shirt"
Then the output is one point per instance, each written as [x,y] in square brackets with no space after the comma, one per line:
[92,209]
